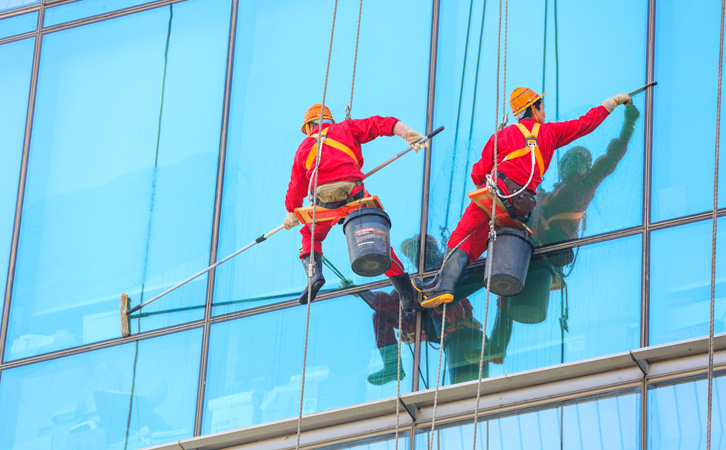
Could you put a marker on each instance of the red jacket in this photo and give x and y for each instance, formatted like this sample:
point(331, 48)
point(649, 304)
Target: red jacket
point(335, 165)
point(551, 136)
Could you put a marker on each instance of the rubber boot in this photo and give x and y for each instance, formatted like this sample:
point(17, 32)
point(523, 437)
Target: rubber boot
point(406, 295)
point(389, 354)
point(443, 290)
point(317, 281)
point(428, 285)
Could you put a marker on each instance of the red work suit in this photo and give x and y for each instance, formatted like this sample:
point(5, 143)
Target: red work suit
point(551, 136)
point(336, 165)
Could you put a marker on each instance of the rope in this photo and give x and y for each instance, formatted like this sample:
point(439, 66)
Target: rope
point(398, 370)
point(445, 227)
point(492, 233)
point(438, 377)
point(312, 229)
point(355, 61)
point(713, 235)
point(544, 47)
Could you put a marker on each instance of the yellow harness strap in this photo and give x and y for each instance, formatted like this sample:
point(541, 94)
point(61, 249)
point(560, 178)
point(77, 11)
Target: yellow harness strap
point(332, 143)
point(531, 138)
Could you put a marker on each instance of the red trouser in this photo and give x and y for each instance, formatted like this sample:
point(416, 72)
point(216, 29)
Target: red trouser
point(476, 222)
point(385, 319)
point(321, 232)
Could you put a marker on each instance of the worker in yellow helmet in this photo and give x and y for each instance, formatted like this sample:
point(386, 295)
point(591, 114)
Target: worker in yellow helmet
point(340, 181)
point(516, 169)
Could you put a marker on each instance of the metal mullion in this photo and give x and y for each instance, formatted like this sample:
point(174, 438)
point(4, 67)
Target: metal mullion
point(692, 218)
point(19, 11)
point(18, 37)
point(216, 221)
point(21, 187)
point(100, 345)
point(109, 15)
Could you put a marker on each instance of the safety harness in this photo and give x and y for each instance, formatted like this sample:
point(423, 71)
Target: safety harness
point(531, 138)
point(329, 142)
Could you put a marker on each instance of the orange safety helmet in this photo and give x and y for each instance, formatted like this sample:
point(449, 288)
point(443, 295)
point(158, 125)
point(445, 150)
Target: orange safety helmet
point(313, 113)
point(522, 98)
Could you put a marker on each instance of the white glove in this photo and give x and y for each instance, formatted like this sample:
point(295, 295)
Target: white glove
point(291, 221)
point(411, 136)
point(617, 99)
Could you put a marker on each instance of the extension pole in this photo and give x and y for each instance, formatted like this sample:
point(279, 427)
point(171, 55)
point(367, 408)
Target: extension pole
point(408, 149)
point(252, 244)
point(641, 89)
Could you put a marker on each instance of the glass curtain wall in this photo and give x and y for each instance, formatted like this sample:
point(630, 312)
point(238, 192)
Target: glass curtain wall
point(121, 176)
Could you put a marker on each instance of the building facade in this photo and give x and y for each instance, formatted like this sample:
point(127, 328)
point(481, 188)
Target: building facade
point(141, 142)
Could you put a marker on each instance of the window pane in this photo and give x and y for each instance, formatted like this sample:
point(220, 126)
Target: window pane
point(129, 396)
point(612, 421)
point(122, 175)
point(80, 9)
point(379, 443)
point(265, 130)
point(466, 97)
point(10, 4)
point(350, 360)
point(576, 305)
point(14, 90)
point(677, 414)
point(18, 25)
point(680, 282)
point(679, 47)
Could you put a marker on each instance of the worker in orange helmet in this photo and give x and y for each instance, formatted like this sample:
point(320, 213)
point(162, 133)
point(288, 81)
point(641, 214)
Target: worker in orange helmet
point(516, 169)
point(340, 181)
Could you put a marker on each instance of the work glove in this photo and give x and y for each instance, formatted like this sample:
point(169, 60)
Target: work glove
point(411, 136)
point(617, 99)
point(291, 221)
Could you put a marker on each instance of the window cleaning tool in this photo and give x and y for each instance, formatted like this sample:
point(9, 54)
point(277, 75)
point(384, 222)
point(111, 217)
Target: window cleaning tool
point(427, 138)
point(641, 89)
point(124, 303)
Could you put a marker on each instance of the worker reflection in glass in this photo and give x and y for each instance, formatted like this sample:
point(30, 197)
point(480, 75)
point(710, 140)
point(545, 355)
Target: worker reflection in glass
point(340, 181)
point(518, 172)
point(560, 212)
point(463, 333)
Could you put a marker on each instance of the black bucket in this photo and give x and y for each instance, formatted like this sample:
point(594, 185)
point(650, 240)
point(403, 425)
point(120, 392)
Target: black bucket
point(369, 241)
point(512, 251)
point(530, 306)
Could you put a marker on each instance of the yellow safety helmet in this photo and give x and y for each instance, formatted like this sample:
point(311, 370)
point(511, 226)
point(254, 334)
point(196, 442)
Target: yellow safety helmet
point(313, 114)
point(522, 98)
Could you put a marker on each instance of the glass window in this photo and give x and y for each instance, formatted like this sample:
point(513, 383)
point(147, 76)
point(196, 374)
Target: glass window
point(14, 90)
point(18, 24)
point(277, 76)
point(609, 192)
point(130, 396)
point(122, 174)
point(610, 421)
point(377, 443)
point(80, 9)
point(255, 363)
point(10, 4)
point(677, 413)
point(680, 282)
point(680, 47)
point(576, 304)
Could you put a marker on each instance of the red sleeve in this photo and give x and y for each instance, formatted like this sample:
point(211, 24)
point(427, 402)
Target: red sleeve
point(298, 187)
point(565, 132)
point(365, 130)
point(485, 164)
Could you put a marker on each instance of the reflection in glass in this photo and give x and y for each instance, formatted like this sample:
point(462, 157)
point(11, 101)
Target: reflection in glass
point(125, 397)
point(85, 8)
point(121, 176)
point(14, 90)
point(576, 304)
point(677, 414)
point(604, 422)
point(255, 363)
point(377, 443)
point(465, 98)
point(10, 4)
point(683, 156)
point(680, 282)
point(18, 25)
point(257, 167)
